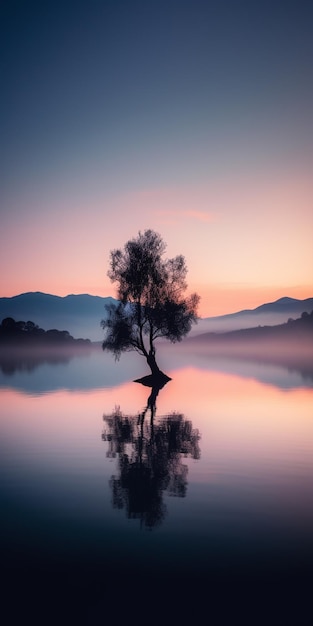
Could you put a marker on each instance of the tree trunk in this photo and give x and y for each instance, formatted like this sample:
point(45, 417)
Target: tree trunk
point(153, 364)
point(159, 379)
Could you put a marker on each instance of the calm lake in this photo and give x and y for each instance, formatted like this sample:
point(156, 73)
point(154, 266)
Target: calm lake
point(204, 512)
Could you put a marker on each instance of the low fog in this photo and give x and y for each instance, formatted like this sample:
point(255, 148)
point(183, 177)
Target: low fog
point(238, 321)
point(89, 328)
point(293, 352)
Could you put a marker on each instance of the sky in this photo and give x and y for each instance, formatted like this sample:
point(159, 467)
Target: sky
point(190, 117)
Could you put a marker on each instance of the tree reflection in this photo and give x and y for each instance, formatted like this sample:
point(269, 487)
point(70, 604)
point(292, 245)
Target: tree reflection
point(149, 453)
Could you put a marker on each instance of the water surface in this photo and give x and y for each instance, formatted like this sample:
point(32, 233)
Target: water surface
point(111, 515)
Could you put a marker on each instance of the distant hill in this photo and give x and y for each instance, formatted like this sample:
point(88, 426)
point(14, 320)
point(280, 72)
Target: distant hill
point(79, 314)
point(269, 314)
point(289, 345)
point(300, 329)
point(284, 305)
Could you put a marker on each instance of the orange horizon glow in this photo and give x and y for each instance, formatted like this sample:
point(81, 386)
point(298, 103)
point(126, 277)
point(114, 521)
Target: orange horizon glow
point(214, 300)
point(246, 240)
point(222, 301)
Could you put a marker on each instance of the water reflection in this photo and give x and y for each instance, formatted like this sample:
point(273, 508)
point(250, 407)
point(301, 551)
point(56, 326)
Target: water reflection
point(150, 454)
point(12, 361)
point(243, 530)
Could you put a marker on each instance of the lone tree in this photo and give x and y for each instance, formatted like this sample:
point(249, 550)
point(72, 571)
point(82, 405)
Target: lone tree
point(151, 299)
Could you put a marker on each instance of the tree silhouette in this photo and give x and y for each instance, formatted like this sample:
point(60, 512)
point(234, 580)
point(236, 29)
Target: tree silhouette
point(149, 460)
point(151, 299)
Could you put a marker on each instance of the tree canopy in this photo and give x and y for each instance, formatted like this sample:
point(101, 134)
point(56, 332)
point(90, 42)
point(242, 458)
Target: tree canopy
point(151, 294)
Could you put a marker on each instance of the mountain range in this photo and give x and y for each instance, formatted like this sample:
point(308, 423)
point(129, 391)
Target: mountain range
point(269, 314)
point(81, 314)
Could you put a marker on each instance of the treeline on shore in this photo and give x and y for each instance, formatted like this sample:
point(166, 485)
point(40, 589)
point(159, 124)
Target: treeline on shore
point(28, 333)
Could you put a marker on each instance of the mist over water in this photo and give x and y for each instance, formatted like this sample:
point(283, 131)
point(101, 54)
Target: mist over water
point(44, 369)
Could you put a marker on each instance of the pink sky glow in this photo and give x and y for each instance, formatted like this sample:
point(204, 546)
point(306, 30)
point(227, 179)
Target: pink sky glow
point(246, 241)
